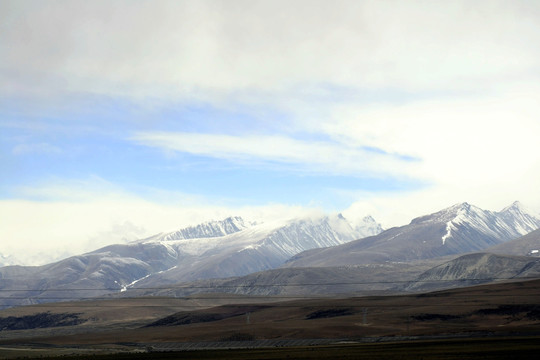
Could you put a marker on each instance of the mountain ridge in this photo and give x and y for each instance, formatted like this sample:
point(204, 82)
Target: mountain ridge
point(210, 229)
point(460, 228)
point(234, 248)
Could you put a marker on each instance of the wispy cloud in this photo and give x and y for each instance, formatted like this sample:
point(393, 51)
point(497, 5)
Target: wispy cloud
point(309, 156)
point(460, 141)
point(64, 218)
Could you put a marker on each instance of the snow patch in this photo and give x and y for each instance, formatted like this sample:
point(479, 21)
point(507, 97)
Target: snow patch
point(133, 283)
point(448, 234)
point(125, 287)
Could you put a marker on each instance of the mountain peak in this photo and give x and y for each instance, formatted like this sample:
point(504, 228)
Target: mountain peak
point(460, 207)
point(368, 219)
point(447, 214)
point(524, 220)
point(515, 206)
point(210, 229)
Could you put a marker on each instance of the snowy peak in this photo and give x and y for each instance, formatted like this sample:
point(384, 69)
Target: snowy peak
point(521, 219)
point(461, 228)
point(512, 222)
point(516, 206)
point(467, 215)
point(282, 238)
point(368, 227)
point(209, 229)
point(337, 224)
point(340, 225)
point(260, 247)
point(448, 214)
point(311, 233)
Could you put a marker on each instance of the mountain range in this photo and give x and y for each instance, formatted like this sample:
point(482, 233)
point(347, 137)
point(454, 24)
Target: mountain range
point(459, 229)
point(321, 255)
point(255, 248)
point(217, 249)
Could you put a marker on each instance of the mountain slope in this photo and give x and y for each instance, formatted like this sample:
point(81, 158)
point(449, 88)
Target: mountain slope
point(215, 249)
point(519, 218)
point(477, 268)
point(458, 229)
point(528, 245)
point(321, 281)
point(87, 275)
point(260, 247)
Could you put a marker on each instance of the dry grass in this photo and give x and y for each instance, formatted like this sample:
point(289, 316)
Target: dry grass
point(494, 309)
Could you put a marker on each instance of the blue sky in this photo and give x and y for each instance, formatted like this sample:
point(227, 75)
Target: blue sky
point(95, 138)
point(118, 120)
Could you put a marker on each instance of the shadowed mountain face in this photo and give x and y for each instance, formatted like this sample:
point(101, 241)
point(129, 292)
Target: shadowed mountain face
point(528, 245)
point(477, 268)
point(82, 276)
point(458, 229)
point(321, 281)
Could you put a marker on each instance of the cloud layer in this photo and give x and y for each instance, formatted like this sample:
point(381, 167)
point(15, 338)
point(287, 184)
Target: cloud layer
point(200, 48)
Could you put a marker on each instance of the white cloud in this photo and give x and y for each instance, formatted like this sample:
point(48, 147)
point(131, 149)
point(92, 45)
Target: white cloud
point(40, 231)
point(72, 217)
point(457, 138)
point(30, 227)
point(480, 150)
point(311, 156)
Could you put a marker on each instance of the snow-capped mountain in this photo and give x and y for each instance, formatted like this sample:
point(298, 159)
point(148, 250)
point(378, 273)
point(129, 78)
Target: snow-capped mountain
point(234, 247)
point(216, 249)
point(458, 229)
point(510, 223)
point(255, 248)
point(368, 227)
point(520, 219)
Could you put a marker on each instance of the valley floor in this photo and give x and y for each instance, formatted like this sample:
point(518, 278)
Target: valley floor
point(494, 321)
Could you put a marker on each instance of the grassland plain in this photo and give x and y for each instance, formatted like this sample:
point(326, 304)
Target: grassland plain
point(489, 321)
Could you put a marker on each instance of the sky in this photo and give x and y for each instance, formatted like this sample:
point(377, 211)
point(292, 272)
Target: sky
point(121, 119)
